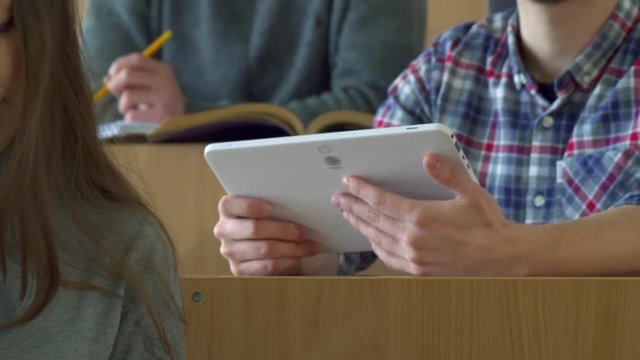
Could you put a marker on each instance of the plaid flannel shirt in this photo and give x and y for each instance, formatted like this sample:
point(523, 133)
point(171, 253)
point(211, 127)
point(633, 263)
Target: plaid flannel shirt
point(542, 162)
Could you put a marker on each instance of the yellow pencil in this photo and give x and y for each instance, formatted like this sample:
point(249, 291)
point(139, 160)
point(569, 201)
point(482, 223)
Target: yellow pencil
point(148, 52)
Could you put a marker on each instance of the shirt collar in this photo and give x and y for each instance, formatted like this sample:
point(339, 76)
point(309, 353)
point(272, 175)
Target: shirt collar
point(589, 66)
point(520, 76)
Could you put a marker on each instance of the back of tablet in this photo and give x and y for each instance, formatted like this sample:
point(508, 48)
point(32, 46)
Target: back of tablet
point(299, 174)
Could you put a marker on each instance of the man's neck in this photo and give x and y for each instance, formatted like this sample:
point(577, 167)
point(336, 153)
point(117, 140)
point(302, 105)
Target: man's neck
point(554, 33)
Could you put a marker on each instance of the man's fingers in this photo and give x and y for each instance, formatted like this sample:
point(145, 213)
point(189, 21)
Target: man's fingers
point(135, 60)
point(132, 99)
point(145, 113)
point(377, 236)
point(130, 78)
point(353, 205)
point(231, 206)
point(251, 250)
point(401, 243)
point(253, 229)
point(450, 176)
point(390, 259)
point(269, 267)
point(417, 212)
point(384, 202)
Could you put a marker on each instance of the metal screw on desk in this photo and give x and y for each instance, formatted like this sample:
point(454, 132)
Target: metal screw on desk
point(197, 297)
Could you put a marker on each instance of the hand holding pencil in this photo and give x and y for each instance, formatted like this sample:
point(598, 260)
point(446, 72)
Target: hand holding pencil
point(146, 89)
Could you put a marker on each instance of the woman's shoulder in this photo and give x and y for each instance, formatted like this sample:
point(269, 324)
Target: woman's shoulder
point(107, 232)
point(133, 225)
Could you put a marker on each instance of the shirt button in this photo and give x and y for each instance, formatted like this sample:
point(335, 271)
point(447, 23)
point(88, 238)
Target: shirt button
point(539, 201)
point(547, 122)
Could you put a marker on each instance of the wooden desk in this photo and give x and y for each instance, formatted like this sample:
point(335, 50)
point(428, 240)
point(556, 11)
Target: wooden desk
point(180, 187)
point(405, 318)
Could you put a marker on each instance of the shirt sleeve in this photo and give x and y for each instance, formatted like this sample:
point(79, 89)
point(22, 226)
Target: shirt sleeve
point(152, 259)
point(370, 43)
point(411, 96)
point(416, 95)
point(351, 263)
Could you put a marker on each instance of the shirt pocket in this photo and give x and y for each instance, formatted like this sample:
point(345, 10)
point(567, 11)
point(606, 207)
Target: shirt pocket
point(595, 181)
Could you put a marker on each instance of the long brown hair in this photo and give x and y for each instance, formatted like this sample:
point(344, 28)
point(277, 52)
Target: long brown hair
point(55, 159)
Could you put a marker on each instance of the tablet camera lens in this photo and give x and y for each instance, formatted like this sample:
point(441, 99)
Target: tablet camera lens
point(333, 162)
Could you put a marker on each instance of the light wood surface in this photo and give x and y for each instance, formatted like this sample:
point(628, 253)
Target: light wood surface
point(403, 318)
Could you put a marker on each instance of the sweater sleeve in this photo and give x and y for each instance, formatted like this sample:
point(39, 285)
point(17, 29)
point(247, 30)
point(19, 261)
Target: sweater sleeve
point(370, 43)
point(151, 257)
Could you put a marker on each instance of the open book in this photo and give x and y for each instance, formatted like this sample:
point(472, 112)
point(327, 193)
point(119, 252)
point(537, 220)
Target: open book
point(236, 122)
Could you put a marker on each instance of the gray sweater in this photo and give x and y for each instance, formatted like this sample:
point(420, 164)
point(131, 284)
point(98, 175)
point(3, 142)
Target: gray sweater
point(92, 325)
point(311, 56)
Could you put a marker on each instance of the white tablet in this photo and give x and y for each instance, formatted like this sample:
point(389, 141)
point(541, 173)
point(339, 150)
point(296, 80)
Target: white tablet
point(299, 174)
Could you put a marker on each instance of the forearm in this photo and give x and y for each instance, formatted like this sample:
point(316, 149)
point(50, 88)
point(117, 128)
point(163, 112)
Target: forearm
point(603, 244)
